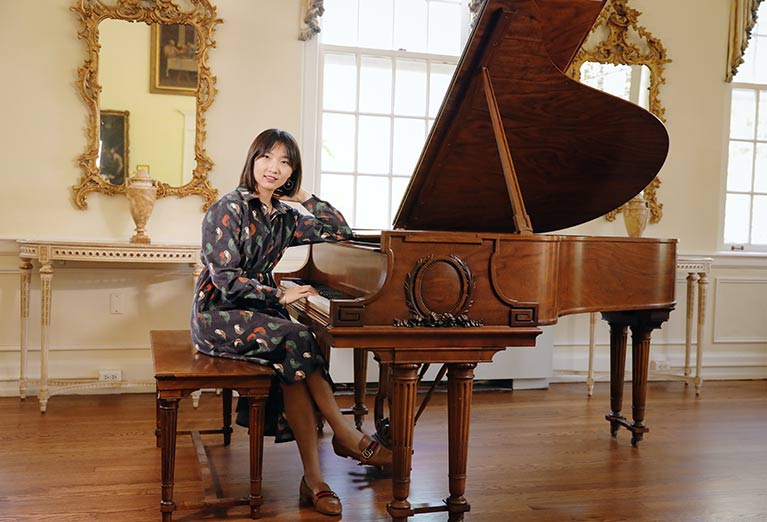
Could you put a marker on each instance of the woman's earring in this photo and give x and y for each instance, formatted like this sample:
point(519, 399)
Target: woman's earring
point(288, 185)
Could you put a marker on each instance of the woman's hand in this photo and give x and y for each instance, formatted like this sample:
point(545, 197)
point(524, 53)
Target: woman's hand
point(299, 197)
point(294, 293)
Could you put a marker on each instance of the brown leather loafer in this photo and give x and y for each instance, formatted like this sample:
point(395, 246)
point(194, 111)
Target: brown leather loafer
point(324, 501)
point(369, 452)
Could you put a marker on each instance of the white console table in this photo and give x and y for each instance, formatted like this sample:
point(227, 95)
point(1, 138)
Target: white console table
point(45, 253)
point(696, 270)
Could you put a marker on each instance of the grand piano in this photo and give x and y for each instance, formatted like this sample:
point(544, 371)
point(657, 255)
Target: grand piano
point(471, 266)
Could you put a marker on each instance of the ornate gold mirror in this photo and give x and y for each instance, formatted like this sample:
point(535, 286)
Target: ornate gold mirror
point(621, 57)
point(147, 87)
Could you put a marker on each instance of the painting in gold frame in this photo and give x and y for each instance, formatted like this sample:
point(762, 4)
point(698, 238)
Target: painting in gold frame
point(114, 146)
point(173, 62)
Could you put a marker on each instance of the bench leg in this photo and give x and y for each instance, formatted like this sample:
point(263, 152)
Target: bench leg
point(226, 401)
point(168, 420)
point(257, 410)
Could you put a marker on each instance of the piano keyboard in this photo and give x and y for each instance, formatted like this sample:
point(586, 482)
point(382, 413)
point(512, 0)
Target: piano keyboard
point(320, 302)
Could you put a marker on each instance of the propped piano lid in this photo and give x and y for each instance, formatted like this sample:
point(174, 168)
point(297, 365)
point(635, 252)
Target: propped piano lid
point(578, 152)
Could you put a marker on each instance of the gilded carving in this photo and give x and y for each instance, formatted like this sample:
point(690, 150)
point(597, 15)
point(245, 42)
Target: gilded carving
point(200, 14)
point(628, 43)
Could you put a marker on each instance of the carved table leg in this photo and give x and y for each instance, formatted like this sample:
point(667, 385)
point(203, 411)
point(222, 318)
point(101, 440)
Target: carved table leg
point(168, 409)
point(256, 436)
point(226, 406)
point(360, 384)
point(618, 335)
point(46, 275)
point(404, 383)
point(25, 280)
point(688, 323)
point(460, 378)
point(702, 294)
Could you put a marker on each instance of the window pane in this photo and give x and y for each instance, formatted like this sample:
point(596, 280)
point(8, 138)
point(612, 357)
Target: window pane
point(410, 88)
point(760, 59)
point(372, 202)
point(339, 23)
point(761, 128)
point(760, 174)
point(375, 84)
point(398, 186)
point(373, 146)
point(739, 166)
point(439, 81)
point(742, 114)
point(339, 190)
point(339, 86)
point(410, 25)
point(444, 28)
point(376, 23)
point(409, 137)
point(736, 218)
point(759, 222)
point(337, 142)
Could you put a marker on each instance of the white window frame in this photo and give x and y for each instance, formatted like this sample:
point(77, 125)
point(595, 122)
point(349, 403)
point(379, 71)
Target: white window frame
point(756, 87)
point(311, 110)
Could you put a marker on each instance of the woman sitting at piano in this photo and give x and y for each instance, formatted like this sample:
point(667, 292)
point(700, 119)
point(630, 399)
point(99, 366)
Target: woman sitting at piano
point(239, 312)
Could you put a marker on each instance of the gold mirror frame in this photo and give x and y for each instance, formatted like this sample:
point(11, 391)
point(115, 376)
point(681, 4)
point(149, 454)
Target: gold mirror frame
point(631, 44)
point(198, 13)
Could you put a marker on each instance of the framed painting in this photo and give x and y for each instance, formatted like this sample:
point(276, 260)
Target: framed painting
point(113, 148)
point(173, 59)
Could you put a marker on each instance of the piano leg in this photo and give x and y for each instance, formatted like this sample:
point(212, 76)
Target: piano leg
point(460, 378)
point(360, 382)
point(642, 323)
point(404, 383)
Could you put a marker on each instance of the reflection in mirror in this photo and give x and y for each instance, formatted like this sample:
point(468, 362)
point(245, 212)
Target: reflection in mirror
point(155, 74)
point(161, 125)
point(630, 82)
point(622, 58)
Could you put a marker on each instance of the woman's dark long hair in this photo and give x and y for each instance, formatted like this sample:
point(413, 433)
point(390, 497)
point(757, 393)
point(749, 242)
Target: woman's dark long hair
point(265, 142)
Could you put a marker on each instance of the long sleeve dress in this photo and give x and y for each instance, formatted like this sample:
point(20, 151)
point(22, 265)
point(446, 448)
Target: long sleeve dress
point(236, 311)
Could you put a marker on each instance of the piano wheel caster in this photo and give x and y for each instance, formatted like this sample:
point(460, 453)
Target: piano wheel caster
point(614, 429)
point(636, 438)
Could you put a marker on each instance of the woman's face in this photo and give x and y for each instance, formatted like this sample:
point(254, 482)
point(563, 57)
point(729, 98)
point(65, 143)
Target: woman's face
point(273, 169)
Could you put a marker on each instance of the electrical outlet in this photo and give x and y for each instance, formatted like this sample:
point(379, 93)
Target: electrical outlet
point(110, 375)
point(660, 364)
point(116, 304)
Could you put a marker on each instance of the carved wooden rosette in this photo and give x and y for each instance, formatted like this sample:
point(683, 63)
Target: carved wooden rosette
point(201, 15)
point(438, 293)
point(627, 43)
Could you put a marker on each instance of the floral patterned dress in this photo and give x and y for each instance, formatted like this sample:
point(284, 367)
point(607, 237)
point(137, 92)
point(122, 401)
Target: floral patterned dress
point(236, 311)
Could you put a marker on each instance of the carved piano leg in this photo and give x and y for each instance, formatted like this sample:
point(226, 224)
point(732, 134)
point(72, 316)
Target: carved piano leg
point(383, 404)
point(168, 419)
point(360, 383)
point(642, 323)
point(618, 335)
point(404, 383)
point(460, 378)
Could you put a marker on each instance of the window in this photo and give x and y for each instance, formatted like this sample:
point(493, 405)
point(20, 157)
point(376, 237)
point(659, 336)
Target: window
point(384, 68)
point(745, 214)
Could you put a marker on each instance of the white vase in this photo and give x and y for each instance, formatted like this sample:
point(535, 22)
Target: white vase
point(141, 192)
point(636, 212)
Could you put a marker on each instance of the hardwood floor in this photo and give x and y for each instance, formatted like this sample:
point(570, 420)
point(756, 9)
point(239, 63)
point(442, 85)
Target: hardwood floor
point(535, 456)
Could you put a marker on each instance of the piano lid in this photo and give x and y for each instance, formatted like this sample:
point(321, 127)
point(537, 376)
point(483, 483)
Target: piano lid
point(577, 152)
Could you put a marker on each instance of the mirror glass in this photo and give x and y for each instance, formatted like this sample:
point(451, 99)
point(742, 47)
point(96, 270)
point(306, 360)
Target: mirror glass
point(148, 75)
point(630, 82)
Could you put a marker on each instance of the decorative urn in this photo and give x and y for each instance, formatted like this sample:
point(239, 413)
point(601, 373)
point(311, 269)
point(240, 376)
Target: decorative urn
point(636, 212)
point(141, 192)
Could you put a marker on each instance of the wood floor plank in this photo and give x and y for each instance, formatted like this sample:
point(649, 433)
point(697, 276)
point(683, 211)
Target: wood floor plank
point(535, 456)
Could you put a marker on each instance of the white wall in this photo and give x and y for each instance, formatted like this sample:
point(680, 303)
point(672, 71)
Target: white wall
point(258, 63)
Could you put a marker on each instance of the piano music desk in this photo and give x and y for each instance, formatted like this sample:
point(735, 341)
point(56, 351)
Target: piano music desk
point(180, 370)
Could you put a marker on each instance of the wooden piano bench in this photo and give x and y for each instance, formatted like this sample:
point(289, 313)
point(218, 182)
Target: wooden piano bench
point(180, 370)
